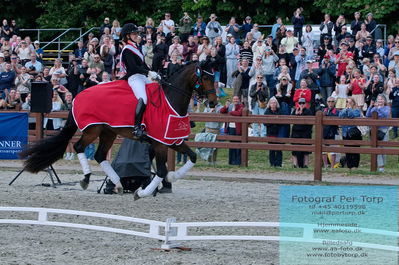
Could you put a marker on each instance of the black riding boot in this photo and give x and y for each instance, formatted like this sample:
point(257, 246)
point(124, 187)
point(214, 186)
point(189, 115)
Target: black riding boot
point(137, 129)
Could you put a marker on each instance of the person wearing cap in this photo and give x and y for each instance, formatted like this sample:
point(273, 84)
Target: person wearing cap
point(106, 24)
point(326, 28)
point(214, 28)
point(299, 158)
point(342, 58)
point(342, 34)
point(289, 41)
point(394, 64)
point(39, 51)
point(233, 28)
point(355, 24)
point(246, 26)
point(199, 27)
point(298, 20)
point(326, 72)
point(369, 48)
point(258, 48)
point(185, 25)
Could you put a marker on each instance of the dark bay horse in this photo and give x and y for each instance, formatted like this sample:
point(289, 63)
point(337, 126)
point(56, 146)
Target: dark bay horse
point(178, 91)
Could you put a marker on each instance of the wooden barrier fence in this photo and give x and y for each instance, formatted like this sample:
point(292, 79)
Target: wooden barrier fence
point(317, 145)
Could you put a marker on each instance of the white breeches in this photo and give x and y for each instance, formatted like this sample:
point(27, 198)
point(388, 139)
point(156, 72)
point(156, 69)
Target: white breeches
point(137, 82)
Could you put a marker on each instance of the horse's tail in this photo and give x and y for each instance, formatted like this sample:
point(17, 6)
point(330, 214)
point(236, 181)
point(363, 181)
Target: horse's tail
point(48, 150)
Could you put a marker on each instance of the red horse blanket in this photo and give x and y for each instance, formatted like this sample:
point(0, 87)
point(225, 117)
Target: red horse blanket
point(114, 104)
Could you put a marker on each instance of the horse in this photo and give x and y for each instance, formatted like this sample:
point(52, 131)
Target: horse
point(178, 91)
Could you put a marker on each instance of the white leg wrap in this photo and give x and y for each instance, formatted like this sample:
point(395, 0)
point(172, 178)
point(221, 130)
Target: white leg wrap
point(150, 188)
point(110, 172)
point(181, 172)
point(84, 163)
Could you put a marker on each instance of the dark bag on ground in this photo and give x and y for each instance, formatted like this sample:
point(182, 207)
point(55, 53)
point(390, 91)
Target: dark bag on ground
point(354, 132)
point(380, 135)
point(133, 165)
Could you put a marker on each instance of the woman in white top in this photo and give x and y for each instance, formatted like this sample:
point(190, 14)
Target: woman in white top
point(341, 90)
point(23, 83)
point(57, 105)
point(204, 49)
point(58, 71)
point(307, 41)
point(23, 52)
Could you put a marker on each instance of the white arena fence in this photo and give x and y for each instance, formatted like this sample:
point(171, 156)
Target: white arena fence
point(172, 232)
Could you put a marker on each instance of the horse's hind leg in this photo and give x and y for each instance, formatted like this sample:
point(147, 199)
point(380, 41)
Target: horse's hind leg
point(89, 135)
point(181, 172)
point(107, 138)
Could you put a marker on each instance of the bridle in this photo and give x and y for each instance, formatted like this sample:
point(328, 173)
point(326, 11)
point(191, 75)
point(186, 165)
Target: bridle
point(199, 72)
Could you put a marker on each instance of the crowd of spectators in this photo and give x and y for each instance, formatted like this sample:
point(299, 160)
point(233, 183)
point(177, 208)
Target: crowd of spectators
point(344, 73)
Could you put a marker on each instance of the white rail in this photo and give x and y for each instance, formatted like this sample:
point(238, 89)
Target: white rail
point(175, 232)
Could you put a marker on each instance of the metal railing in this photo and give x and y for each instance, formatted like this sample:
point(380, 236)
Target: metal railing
point(40, 31)
point(80, 37)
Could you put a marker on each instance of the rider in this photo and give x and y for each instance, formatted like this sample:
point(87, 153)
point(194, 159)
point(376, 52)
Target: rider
point(136, 70)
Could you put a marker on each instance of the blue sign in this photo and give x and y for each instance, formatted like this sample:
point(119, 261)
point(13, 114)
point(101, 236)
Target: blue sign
point(13, 134)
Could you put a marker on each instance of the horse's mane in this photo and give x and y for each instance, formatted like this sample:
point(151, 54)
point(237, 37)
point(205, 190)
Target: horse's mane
point(184, 67)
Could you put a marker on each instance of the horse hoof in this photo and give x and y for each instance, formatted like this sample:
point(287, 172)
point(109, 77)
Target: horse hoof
point(119, 190)
point(136, 195)
point(84, 184)
point(171, 177)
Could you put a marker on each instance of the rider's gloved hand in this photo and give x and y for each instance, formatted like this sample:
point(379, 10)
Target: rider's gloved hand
point(154, 75)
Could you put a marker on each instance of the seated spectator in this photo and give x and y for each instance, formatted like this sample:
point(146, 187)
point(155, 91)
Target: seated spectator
point(6, 80)
point(258, 48)
point(58, 71)
point(39, 51)
point(189, 48)
point(246, 53)
point(289, 41)
point(148, 52)
point(23, 52)
point(326, 72)
point(167, 23)
point(299, 158)
point(250, 39)
point(233, 128)
point(259, 95)
point(60, 89)
point(362, 33)
point(256, 69)
point(330, 131)
point(46, 74)
point(2, 62)
point(13, 100)
point(33, 67)
point(351, 132)
point(107, 42)
point(90, 53)
point(394, 64)
point(97, 63)
point(384, 111)
point(107, 59)
point(80, 51)
point(106, 24)
point(214, 28)
point(174, 65)
point(199, 27)
point(273, 108)
point(23, 83)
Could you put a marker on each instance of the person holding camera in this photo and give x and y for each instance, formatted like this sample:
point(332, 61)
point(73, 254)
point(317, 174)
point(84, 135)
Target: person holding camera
point(23, 83)
point(185, 27)
point(33, 67)
point(214, 28)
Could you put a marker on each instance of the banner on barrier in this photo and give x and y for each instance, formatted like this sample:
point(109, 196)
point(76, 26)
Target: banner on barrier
point(13, 134)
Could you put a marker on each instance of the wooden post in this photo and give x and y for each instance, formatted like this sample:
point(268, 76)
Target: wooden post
point(244, 139)
point(171, 160)
point(373, 143)
point(318, 147)
point(39, 126)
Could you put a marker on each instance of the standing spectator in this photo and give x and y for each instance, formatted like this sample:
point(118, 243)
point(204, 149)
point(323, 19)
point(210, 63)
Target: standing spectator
point(106, 24)
point(330, 131)
point(73, 77)
point(275, 156)
point(324, 47)
point(160, 53)
point(204, 49)
point(379, 48)
point(281, 34)
point(59, 70)
point(341, 91)
point(289, 41)
point(246, 52)
point(257, 68)
point(233, 29)
point(232, 51)
point(258, 48)
point(371, 24)
point(276, 26)
point(307, 41)
point(107, 59)
point(176, 47)
point(259, 96)
point(394, 64)
point(217, 62)
point(326, 28)
point(80, 51)
point(312, 81)
point(185, 27)
point(369, 48)
point(269, 62)
point(383, 110)
point(213, 127)
point(148, 52)
point(33, 67)
point(15, 66)
point(327, 73)
point(355, 25)
point(356, 87)
point(174, 65)
point(199, 27)
point(341, 35)
point(243, 92)
point(23, 83)
point(5, 30)
point(90, 53)
point(303, 92)
point(116, 33)
point(6, 80)
point(284, 92)
point(255, 32)
point(343, 58)
point(167, 23)
point(2, 62)
point(351, 132)
point(298, 20)
point(221, 51)
point(214, 28)
point(233, 128)
point(246, 26)
point(300, 60)
point(14, 28)
point(341, 22)
point(373, 89)
point(362, 33)
point(394, 96)
point(189, 48)
point(299, 158)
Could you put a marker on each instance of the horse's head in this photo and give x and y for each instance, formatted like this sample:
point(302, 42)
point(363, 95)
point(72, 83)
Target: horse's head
point(205, 82)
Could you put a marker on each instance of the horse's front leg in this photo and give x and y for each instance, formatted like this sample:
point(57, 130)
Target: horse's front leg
point(162, 171)
point(181, 172)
